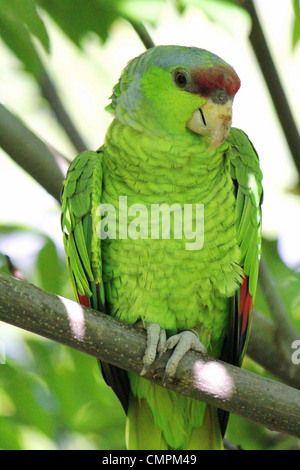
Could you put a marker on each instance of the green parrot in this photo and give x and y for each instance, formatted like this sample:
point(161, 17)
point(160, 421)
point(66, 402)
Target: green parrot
point(170, 145)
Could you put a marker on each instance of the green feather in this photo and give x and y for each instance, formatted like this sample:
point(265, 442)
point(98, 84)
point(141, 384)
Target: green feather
point(81, 244)
point(250, 191)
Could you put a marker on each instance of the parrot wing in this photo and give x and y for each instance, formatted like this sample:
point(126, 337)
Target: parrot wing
point(247, 178)
point(81, 197)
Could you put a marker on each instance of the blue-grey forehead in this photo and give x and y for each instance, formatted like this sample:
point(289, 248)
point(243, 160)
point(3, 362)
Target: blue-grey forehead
point(169, 56)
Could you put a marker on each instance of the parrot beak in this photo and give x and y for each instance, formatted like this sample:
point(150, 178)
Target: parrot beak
point(214, 119)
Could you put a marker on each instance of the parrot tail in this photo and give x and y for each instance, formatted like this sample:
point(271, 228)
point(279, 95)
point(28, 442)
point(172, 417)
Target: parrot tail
point(143, 434)
point(208, 436)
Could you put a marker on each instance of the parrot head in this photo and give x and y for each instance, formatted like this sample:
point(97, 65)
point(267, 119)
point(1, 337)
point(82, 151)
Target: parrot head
point(176, 90)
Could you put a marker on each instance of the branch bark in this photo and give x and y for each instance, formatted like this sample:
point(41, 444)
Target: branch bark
point(42, 162)
point(277, 309)
point(253, 397)
point(267, 349)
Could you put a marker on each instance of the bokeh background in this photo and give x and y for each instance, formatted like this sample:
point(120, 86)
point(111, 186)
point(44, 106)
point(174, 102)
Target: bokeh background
point(52, 397)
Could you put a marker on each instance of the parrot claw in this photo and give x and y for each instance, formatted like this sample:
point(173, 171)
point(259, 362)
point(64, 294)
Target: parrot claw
point(156, 341)
point(182, 342)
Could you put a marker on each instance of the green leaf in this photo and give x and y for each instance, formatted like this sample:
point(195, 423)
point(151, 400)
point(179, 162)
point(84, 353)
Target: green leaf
point(77, 18)
point(296, 27)
point(24, 11)
point(179, 5)
point(17, 37)
point(142, 10)
point(226, 13)
point(49, 268)
point(4, 264)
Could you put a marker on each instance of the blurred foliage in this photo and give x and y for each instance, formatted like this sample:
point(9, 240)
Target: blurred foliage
point(77, 18)
point(20, 19)
point(53, 397)
point(248, 435)
point(287, 282)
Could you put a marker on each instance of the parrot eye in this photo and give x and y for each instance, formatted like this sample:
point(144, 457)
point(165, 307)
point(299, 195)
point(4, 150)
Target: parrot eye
point(180, 79)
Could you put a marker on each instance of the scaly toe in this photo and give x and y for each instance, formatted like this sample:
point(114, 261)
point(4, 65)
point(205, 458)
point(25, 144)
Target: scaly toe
point(156, 339)
point(183, 341)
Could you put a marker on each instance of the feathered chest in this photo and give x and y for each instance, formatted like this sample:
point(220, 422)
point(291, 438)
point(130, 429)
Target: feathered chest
point(171, 229)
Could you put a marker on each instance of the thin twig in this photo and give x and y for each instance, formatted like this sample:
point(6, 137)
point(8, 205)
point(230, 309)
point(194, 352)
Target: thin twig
point(50, 94)
point(267, 66)
point(142, 32)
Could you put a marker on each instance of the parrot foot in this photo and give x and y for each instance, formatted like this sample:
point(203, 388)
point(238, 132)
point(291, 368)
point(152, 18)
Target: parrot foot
point(157, 342)
point(182, 342)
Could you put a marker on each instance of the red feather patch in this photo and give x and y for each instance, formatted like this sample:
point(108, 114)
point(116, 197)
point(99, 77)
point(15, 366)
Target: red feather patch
point(222, 77)
point(84, 300)
point(246, 304)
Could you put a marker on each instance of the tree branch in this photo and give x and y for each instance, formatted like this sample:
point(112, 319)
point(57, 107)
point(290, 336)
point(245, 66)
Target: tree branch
point(49, 92)
point(238, 391)
point(267, 66)
point(268, 350)
point(284, 327)
point(142, 32)
point(42, 162)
